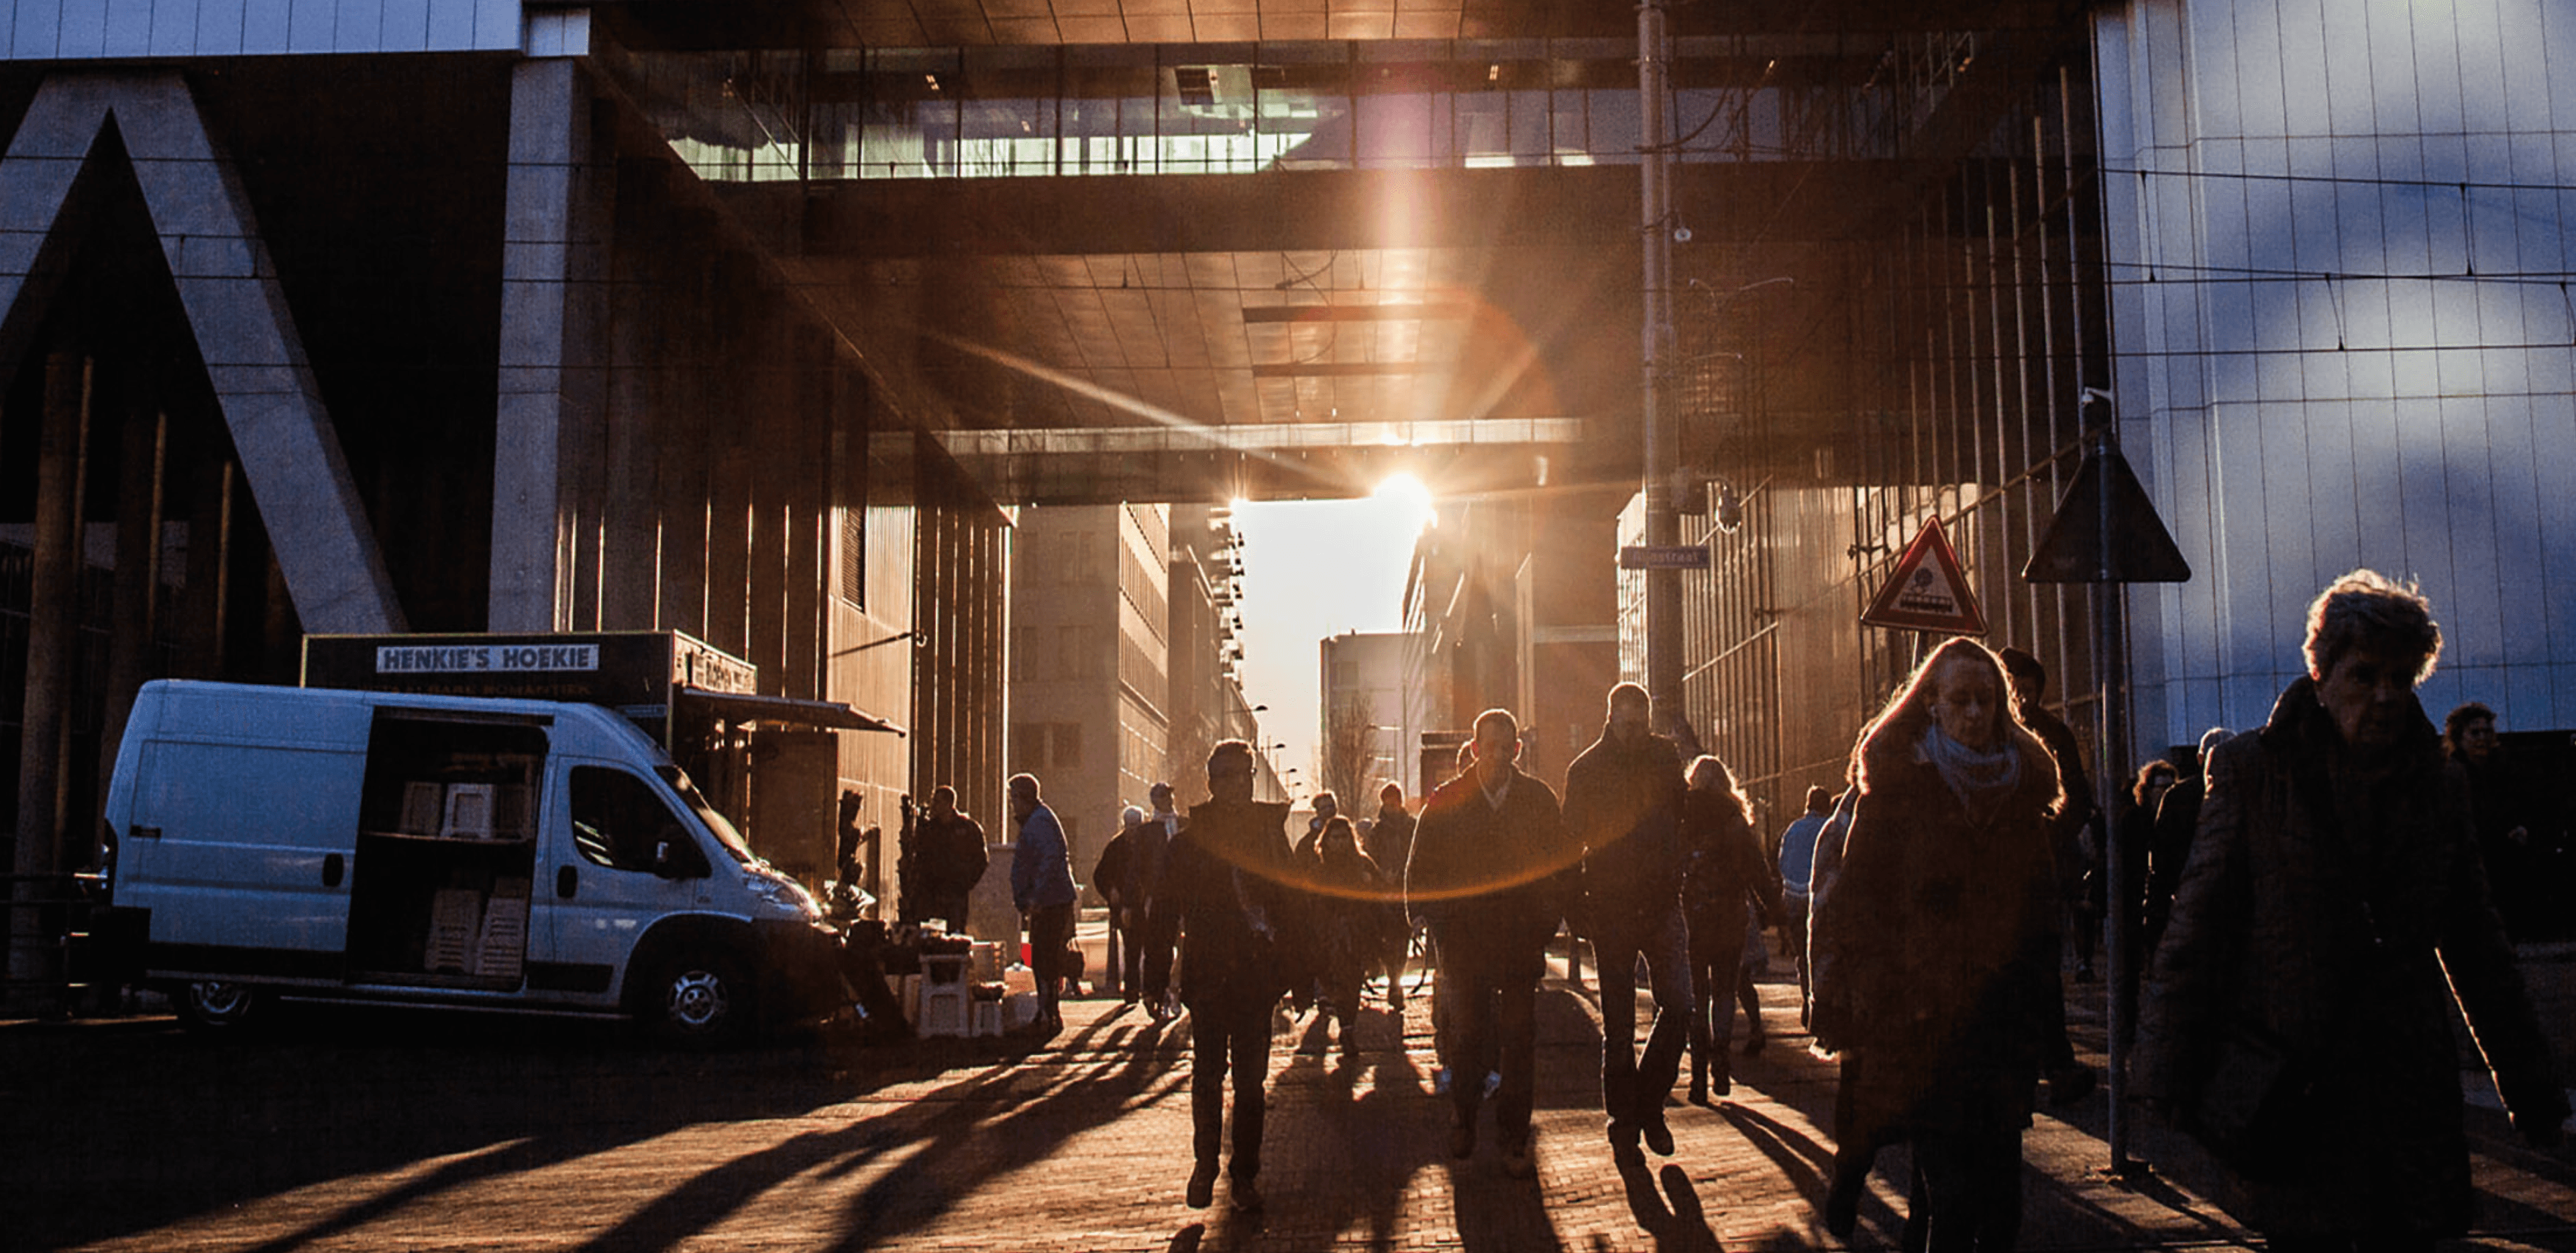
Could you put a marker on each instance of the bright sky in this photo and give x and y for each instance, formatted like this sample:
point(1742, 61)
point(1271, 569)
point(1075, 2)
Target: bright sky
point(1313, 569)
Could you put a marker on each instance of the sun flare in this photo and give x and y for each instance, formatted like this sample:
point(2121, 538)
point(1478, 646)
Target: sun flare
point(1411, 496)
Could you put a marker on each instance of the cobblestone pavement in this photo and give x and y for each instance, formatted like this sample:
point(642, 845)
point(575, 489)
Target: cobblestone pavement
point(371, 1139)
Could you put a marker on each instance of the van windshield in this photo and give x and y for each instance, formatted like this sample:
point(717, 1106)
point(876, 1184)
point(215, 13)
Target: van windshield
point(725, 834)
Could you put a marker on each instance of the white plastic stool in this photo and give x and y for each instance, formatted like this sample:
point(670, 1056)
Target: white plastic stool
point(946, 1007)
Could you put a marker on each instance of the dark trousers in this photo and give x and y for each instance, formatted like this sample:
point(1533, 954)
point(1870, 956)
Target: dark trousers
point(1634, 1088)
point(922, 907)
point(1224, 1037)
point(1858, 1140)
point(1971, 1190)
point(1716, 972)
point(1496, 1015)
point(1793, 937)
point(1145, 950)
point(1050, 932)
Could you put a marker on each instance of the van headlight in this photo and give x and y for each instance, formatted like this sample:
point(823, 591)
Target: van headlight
point(786, 895)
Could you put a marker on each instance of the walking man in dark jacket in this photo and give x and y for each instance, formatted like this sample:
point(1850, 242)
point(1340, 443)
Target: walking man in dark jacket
point(1623, 804)
point(1221, 884)
point(1491, 873)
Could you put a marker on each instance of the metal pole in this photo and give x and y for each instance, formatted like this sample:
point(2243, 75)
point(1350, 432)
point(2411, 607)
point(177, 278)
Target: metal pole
point(2114, 852)
point(1662, 448)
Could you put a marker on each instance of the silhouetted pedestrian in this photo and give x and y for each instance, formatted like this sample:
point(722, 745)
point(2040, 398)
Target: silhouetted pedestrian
point(1797, 862)
point(1350, 913)
point(2135, 841)
point(2516, 863)
point(1389, 842)
point(949, 858)
point(1221, 887)
point(1623, 806)
point(1729, 878)
point(1129, 870)
point(2177, 818)
point(1492, 872)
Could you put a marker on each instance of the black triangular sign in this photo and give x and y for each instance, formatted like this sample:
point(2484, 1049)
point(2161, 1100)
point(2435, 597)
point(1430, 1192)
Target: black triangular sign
point(2074, 549)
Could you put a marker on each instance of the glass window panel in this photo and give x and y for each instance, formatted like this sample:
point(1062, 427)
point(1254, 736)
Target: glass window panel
point(1490, 51)
point(909, 139)
point(1484, 128)
point(1400, 130)
point(1700, 111)
point(1762, 125)
point(1616, 128)
point(1623, 51)
point(1306, 130)
point(1005, 119)
point(1529, 127)
point(1566, 136)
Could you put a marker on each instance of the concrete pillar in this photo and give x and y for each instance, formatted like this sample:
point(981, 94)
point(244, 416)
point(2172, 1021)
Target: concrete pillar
point(137, 611)
point(204, 599)
point(52, 641)
point(684, 422)
point(775, 428)
point(807, 469)
point(729, 552)
point(741, 337)
point(549, 394)
point(629, 552)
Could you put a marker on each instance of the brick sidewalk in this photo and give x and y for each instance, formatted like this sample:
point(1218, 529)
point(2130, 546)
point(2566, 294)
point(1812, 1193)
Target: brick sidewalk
point(1083, 1144)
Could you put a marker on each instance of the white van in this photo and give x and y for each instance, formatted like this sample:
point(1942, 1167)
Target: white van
point(462, 852)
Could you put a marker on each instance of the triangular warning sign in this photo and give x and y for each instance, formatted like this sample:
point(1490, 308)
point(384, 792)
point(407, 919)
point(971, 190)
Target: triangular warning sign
point(1927, 592)
point(2106, 531)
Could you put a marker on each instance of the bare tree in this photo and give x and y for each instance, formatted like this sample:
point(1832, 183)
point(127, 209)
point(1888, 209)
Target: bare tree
point(1350, 750)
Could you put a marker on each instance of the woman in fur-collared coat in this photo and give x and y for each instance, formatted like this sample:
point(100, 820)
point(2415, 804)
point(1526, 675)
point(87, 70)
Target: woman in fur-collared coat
point(2333, 903)
point(1936, 948)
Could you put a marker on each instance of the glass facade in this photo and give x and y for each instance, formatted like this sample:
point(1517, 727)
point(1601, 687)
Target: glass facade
point(1004, 112)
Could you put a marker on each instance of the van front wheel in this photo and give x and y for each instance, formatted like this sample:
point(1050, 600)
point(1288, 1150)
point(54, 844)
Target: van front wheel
point(700, 1000)
point(216, 1005)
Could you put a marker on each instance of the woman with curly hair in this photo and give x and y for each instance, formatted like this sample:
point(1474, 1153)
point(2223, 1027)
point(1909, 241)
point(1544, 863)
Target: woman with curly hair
point(2333, 911)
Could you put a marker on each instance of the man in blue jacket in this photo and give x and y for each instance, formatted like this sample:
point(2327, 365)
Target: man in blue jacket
point(1042, 886)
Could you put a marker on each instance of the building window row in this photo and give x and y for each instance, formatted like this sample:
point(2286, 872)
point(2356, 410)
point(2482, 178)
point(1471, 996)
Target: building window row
point(1241, 108)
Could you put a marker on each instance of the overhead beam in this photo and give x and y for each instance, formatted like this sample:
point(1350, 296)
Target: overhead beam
point(1444, 312)
point(1294, 210)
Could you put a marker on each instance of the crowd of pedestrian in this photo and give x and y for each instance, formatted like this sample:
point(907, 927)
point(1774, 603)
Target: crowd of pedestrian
point(2309, 898)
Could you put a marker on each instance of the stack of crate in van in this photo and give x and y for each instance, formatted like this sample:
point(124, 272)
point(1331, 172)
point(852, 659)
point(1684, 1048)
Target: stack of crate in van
point(502, 944)
point(455, 917)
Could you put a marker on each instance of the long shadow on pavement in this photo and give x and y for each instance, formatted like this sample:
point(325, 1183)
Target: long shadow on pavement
point(123, 1127)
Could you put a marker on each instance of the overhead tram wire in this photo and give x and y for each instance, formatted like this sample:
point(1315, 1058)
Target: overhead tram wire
point(2444, 184)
